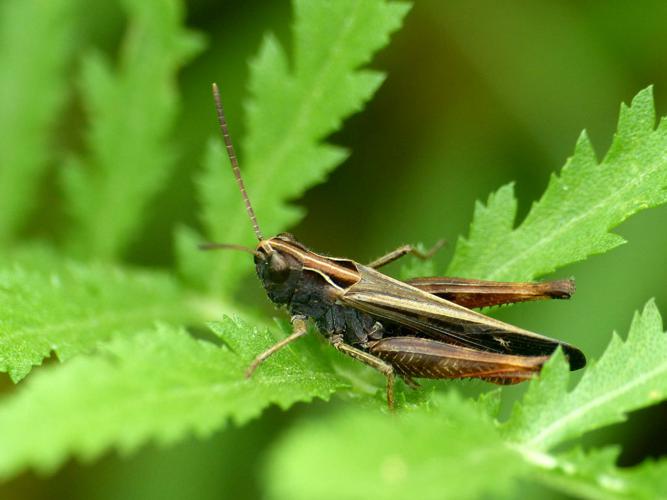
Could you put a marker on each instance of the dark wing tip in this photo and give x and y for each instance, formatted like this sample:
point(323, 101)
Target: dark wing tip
point(574, 356)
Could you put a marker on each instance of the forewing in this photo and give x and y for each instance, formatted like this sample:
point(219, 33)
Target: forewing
point(408, 308)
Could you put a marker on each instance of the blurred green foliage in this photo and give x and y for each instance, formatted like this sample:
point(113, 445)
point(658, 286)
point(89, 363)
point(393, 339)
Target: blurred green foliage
point(27, 116)
point(132, 112)
point(478, 94)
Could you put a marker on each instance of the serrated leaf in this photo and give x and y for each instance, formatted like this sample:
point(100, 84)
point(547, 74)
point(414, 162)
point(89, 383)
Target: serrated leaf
point(448, 448)
point(33, 80)
point(132, 112)
point(158, 385)
point(574, 217)
point(629, 375)
point(413, 454)
point(294, 106)
point(69, 309)
point(595, 475)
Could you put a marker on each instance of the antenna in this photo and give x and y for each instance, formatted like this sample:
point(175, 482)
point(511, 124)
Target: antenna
point(235, 163)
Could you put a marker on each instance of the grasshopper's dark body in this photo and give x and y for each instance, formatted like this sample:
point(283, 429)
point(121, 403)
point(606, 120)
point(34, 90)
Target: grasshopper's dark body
point(311, 286)
point(421, 328)
point(335, 293)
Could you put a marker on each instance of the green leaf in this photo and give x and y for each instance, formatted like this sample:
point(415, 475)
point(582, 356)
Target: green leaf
point(430, 451)
point(573, 219)
point(426, 450)
point(595, 475)
point(71, 308)
point(294, 106)
point(132, 113)
point(158, 385)
point(363, 453)
point(629, 375)
point(37, 41)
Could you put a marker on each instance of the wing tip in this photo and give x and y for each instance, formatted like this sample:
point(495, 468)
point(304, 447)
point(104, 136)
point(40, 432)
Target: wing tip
point(575, 357)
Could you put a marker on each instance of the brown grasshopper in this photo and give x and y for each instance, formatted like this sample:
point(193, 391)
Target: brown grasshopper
point(422, 327)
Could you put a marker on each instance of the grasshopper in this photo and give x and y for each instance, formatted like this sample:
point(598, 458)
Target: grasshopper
point(420, 328)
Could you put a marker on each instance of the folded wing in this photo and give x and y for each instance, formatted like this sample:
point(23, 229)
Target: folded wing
point(404, 307)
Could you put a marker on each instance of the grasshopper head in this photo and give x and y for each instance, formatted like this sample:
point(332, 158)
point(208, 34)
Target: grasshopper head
point(278, 269)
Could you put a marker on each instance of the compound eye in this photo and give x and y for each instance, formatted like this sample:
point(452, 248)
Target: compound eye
point(260, 256)
point(278, 268)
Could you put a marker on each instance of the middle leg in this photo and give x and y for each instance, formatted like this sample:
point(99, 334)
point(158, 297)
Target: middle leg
point(404, 250)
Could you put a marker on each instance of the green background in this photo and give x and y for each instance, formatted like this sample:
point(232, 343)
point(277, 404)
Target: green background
point(478, 94)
